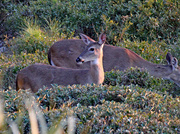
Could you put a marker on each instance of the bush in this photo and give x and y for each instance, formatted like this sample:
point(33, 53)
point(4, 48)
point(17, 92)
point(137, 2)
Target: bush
point(141, 78)
point(129, 102)
point(142, 20)
point(100, 109)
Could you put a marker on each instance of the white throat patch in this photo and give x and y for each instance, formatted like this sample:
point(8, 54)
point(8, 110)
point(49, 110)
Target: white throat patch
point(95, 62)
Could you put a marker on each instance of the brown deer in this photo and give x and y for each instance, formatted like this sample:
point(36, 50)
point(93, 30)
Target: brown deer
point(63, 53)
point(38, 75)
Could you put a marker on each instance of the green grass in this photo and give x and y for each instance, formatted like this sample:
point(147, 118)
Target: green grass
point(129, 102)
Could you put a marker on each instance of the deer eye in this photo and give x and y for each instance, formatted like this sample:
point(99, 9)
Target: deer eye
point(91, 49)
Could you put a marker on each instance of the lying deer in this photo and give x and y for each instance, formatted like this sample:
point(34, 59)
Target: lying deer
point(38, 75)
point(63, 54)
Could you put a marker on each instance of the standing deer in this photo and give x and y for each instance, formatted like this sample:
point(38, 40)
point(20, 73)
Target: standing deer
point(63, 54)
point(38, 75)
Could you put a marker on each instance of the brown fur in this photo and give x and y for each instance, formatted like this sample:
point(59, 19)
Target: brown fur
point(38, 75)
point(64, 52)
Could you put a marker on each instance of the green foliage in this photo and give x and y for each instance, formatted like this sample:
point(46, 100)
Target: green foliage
point(142, 20)
point(34, 38)
point(141, 78)
point(130, 101)
point(103, 109)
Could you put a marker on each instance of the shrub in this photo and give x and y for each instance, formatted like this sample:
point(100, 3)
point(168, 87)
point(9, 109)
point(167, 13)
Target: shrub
point(142, 20)
point(129, 102)
point(99, 109)
point(141, 78)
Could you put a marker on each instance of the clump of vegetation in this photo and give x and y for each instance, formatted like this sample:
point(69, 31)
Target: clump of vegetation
point(142, 20)
point(129, 101)
point(141, 78)
point(100, 109)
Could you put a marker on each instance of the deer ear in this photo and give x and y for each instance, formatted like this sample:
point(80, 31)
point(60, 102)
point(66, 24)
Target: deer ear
point(102, 38)
point(87, 40)
point(169, 58)
point(175, 62)
point(172, 61)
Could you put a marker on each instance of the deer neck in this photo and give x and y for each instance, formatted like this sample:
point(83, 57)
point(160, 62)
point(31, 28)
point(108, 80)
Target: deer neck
point(158, 70)
point(97, 71)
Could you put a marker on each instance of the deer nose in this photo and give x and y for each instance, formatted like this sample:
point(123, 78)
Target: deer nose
point(78, 60)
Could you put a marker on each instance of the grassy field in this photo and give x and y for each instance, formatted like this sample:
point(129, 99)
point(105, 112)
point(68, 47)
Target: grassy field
point(128, 102)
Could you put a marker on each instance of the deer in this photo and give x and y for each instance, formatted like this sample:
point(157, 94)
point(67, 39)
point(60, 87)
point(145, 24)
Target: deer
point(62, 53)
point(38, 75)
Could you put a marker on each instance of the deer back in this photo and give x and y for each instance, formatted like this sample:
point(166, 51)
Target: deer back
point(62, 53)
point(38, 75)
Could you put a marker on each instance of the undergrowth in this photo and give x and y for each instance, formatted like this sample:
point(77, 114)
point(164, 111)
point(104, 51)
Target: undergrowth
point(97, 109)
point(129, 101)
point(142, 20)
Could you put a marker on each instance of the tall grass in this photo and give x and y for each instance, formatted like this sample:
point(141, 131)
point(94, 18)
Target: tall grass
point(37, 121)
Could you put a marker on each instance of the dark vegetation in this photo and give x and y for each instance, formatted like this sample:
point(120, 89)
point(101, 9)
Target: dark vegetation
point(128, 102)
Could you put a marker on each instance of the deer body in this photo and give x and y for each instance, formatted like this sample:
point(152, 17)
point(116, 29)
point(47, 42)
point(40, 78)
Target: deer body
point(38, 75)
point(63, 54)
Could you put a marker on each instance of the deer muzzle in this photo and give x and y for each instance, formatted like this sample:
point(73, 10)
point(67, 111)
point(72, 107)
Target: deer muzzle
point(79, 60)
